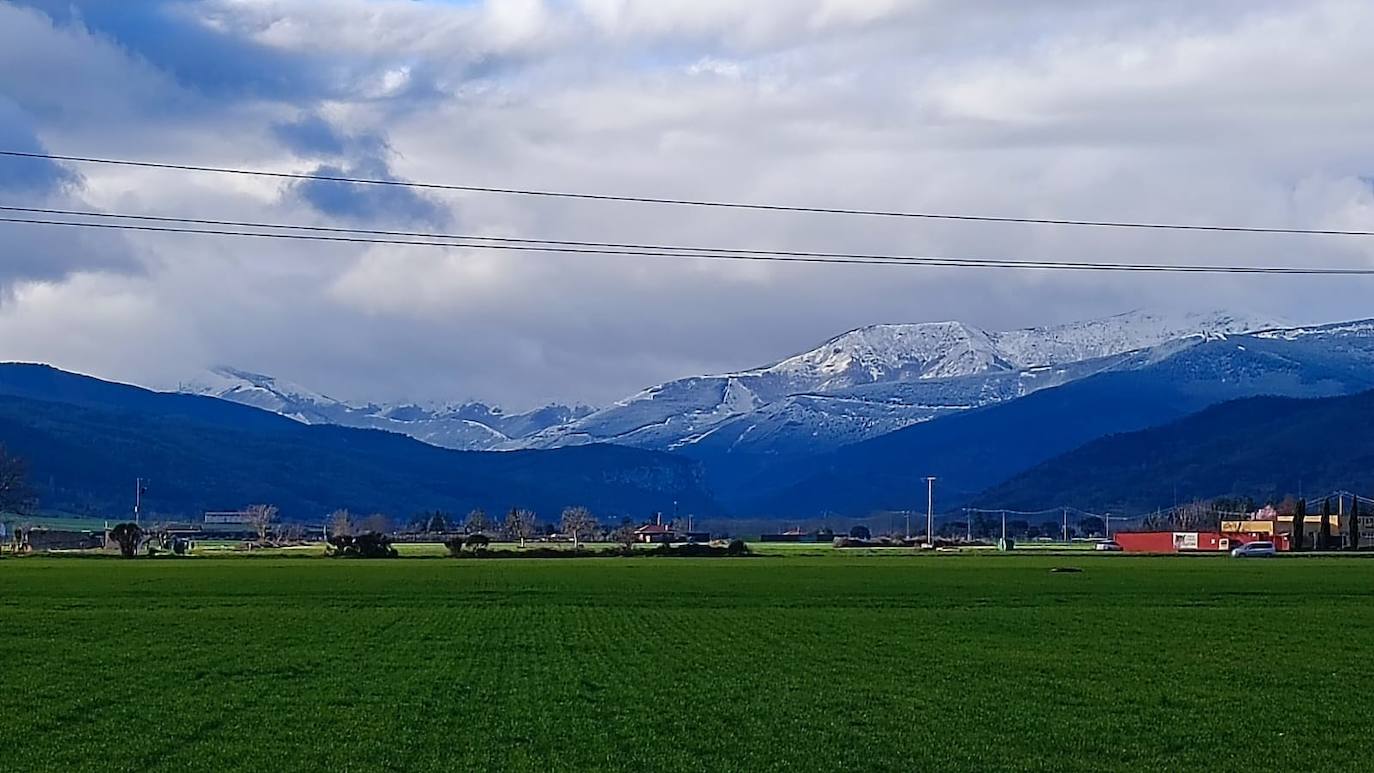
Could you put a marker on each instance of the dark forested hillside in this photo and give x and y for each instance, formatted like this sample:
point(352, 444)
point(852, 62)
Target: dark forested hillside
point(979, 449)
point(1262, 447)
point(86, 441)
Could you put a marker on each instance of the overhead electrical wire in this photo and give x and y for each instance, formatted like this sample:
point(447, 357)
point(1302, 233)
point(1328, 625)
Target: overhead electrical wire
point(293, 232)
point(737, 205)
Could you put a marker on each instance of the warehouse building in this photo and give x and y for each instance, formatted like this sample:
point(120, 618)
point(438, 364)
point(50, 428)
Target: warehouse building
point(1192, 541)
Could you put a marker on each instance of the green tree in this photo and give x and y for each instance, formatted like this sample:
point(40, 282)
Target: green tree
point(1324, 537)
point(1352, 529)
point(128, 536)
point(14, 490)
point(1298, 539)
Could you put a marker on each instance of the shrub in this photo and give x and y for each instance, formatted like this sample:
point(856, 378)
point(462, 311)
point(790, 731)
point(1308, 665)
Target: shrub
point(455, 545)
point(369, 545)
point(128, 536)
point(697, 550)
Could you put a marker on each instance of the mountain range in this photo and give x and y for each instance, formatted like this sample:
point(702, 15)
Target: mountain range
point(858, 385)
point(470, 426)
point(86, 440)
point(853, 425)
point(874, 380)
point(977, 450)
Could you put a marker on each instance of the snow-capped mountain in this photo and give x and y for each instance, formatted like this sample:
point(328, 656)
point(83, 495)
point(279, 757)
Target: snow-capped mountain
point(465, 426)
point(877, 379)
point(973, 452)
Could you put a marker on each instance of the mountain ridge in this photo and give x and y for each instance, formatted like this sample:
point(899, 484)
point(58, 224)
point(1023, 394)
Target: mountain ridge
point(977, 450)
point(85, 441)
point(468, 426)
point(680, 412)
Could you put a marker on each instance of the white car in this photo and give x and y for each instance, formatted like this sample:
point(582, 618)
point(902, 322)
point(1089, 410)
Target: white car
point(1108, 546)
point(1254, 550)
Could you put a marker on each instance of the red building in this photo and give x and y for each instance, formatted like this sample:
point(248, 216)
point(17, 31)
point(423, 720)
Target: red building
point(1191, 541)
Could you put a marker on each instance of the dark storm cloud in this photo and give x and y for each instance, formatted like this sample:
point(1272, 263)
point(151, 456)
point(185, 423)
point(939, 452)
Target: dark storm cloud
point(27, 175)
point(362, 156)
point(368, 203)
point(168, 35)
point(311, 135)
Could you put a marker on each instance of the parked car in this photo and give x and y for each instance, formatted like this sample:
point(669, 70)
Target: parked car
point(1108, 546)
point(1254, 550)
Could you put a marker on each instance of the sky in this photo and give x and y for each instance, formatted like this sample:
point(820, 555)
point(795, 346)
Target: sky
point(1247, 113)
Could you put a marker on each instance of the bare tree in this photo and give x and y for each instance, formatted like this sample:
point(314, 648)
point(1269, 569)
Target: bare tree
point(438, 522)
point(291, 532)
point(340, 523)
point(477, 522)
point(377, 523)
point(625, 535)
point(15, 496)
point(1197, 516)
point(260, 517)
point(520, 524)
point(579, 522)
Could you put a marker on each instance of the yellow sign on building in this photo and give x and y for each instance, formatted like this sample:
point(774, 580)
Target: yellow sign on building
point(1248, 527)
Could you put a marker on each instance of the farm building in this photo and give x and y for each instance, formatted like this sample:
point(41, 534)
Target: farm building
point(41, 539)
point(1192, 541)
point(655, 532)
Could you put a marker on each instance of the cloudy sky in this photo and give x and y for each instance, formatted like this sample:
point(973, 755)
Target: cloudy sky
point(1242, 113)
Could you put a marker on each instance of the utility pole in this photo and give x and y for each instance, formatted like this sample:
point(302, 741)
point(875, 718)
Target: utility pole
point(930, 510)
point(1107, 524)
point(1066, 524)
point(1004, 527)
point(138, 497)
point(968, 526)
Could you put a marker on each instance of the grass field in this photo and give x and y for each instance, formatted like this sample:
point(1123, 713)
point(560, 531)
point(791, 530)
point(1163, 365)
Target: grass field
point(896, 663)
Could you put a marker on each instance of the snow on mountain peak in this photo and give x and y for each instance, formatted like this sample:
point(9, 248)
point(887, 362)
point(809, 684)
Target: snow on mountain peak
point(932, 350)
point(466, 426)
point(262, 391)
point(885, 357)
point(1134, 330)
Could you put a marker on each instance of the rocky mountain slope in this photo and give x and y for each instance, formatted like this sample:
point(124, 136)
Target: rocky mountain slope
point(874, 380)
point(463, 426)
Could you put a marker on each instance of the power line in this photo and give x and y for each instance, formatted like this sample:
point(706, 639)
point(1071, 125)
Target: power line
point(653, 249)
point(338, 235)
point(681, 201)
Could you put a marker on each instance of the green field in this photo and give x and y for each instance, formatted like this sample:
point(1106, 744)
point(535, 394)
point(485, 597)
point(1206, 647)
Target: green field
point(979, 662)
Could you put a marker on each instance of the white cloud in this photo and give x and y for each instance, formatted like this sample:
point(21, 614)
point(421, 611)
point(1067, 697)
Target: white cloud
point(1223, 112)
